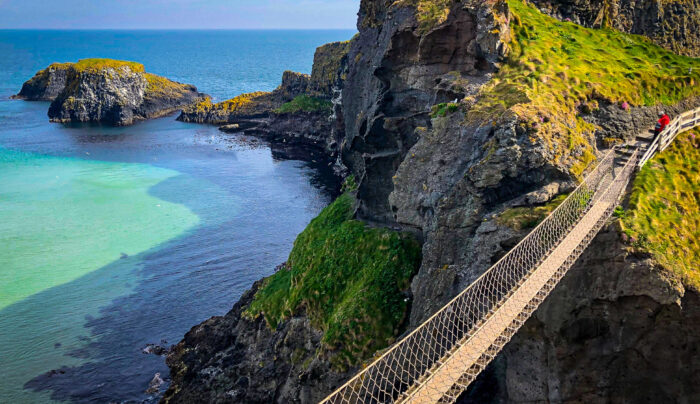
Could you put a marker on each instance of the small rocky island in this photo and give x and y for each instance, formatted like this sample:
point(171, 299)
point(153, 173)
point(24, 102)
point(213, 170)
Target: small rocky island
point(107, 91)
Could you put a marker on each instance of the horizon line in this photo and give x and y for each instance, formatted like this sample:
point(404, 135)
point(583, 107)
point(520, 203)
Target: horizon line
point(178, 29)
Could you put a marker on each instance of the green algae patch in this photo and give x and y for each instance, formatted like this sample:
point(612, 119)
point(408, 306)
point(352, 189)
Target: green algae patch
point(63, 218)
point(663, 217)
point(304, 103)
point(350, 279)
point(558, 70)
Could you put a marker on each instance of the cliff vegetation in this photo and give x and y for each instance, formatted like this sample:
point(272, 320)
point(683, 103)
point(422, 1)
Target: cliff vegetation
point(304, 103)
point(95, 65)
point(557, 71)
point(664, 211)
point(350, 279)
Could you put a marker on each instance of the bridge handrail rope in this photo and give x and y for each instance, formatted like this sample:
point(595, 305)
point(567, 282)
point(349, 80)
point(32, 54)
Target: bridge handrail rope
point(680, 124)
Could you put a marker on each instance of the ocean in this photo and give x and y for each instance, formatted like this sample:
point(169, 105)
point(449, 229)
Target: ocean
point(112, 239)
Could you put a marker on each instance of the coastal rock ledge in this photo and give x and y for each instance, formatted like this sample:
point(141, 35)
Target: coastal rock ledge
point(107, 91)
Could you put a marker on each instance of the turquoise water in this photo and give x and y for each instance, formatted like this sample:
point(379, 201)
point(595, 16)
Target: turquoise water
point(59, 202)
point(115, 238)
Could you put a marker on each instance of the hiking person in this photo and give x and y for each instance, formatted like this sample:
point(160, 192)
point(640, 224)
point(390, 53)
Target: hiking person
point(664, 120)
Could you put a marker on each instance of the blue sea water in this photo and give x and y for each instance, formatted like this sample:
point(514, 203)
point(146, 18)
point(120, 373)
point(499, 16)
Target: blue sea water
point(115, 238)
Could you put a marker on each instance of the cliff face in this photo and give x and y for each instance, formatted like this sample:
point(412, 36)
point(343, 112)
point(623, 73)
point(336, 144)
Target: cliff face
point(617, 329)
point(46, 85)
point(107, 91)
point(671, 24)
point(398, 73)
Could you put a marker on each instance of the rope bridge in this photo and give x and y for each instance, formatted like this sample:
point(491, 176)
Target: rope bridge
point(438, 360)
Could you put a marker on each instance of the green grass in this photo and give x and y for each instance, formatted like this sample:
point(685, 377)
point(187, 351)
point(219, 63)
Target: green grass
point(663, 217)
point(304, 103)
point(349, 279)
point(86, 65)
point(443, 109)
point(557, 70)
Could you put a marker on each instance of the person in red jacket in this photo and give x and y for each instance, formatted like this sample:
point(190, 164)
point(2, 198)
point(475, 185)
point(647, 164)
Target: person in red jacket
point(664, 120)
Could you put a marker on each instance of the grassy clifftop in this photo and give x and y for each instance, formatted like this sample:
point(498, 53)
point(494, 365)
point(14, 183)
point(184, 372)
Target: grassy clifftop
point(558, 70)
point(350, 280)
point(304, 103)
point(664, 213)
point(94, 65)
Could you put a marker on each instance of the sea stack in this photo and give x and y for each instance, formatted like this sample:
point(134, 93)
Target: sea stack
point(107, 91)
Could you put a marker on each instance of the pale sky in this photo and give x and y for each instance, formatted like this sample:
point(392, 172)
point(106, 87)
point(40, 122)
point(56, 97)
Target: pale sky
point(178, 14)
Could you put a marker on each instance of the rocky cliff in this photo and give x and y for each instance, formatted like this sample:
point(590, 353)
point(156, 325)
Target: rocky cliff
point(231, 359)
point(106, 91)
point(618, 328)
point(457, 120)
point(46, 85)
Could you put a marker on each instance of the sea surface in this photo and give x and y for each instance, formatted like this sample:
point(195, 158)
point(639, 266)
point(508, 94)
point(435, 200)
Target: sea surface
point(112, 239)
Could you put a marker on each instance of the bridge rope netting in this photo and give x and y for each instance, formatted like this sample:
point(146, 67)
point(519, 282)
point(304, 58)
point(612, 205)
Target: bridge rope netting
point(437, 361)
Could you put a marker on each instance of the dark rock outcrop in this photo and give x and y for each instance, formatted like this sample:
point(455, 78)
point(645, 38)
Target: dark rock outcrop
point(617, 329)
point(46, 85)
point(107, 91)
point(326, 79)
point(231, 359)
point(671, 24)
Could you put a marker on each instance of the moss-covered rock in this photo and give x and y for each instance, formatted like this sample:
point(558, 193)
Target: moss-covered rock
point(249, 105)
point(327, 71)
point(349, 279)
point(108, 91)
